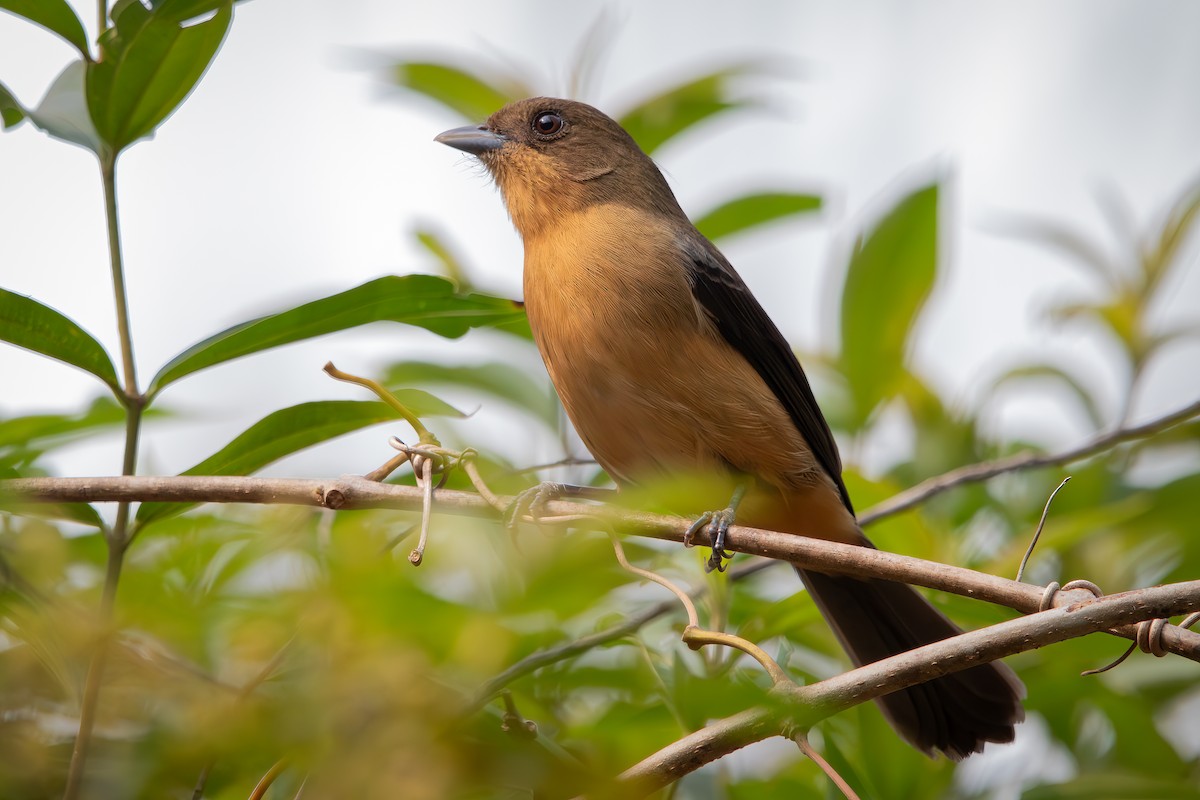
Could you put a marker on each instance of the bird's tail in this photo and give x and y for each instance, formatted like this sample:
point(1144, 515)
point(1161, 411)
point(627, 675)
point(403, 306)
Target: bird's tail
point(956, 713)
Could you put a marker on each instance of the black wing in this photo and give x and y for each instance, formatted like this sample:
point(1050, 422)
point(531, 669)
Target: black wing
point(746, 326)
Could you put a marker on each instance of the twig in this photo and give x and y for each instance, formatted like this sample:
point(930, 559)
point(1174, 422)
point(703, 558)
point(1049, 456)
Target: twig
point(562, 652)
point(514, 722)
point(801, 740)
point(694, 636)
point(260, 790)
point(569, 461)
point(688, 605)
point(1027, 460)
point(1041, 524)
point(423, 433)
point(425, 479)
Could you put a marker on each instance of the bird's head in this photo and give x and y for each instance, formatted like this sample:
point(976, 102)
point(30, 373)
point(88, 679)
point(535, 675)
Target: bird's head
point(553, 157)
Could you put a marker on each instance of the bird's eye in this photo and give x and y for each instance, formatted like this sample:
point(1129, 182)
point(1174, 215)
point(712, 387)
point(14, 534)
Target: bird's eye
point(547, 123)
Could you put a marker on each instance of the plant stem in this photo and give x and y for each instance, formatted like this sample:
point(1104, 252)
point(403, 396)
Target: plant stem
point(91, 684)
point(118, 538)
point(101, 16)
point(108, 171)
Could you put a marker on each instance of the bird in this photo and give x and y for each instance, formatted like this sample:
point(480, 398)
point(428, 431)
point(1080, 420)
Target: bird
point(666, 364)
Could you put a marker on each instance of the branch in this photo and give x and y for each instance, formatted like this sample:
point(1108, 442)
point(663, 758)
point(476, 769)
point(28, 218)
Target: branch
point(352, 492)
point(973, 473)
point(812, 703)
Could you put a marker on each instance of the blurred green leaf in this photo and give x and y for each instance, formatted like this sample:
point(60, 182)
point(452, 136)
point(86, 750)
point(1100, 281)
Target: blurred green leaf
point(658, 119)
point(891, 273)
point(1180, 223)
point(436, 244)
point(501, 381)
point(27, 323)
point(55, 16)
point(12, 113)
point(1054, 374)
point(751, 210)
point(458, 88)
point(63, 112)
point(102, 414)
point(81, 513)
point(276, 435)
point(1057, 236)
point(426, 301)
point(150, 64)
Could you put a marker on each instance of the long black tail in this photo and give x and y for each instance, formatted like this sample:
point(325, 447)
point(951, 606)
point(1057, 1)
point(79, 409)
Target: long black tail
point(956, 713)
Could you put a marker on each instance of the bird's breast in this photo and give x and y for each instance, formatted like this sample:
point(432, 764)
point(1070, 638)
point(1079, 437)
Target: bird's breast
point(649, 383)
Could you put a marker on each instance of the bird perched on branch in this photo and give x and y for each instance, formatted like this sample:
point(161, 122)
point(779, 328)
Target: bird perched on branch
point(667, 364)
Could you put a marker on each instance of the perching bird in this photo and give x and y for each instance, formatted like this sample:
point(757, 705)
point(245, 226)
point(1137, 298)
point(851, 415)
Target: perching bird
point(666, 364)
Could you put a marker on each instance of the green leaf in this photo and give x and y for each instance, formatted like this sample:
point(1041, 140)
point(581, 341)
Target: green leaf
point(55, 16)
point(151, 63)
point(12, 113)
point(501, 381)
point(426, 301)
point(436, 244)
point(752, 210)
point(25, 439)
point(458, 89)
point(276, 435)
point(27, 323)
point(891, 273)
point(63, 112)
point(81, 513)
point(423, 404)
point(1056, 236)
point(656, 120)
point(39, 429)
point(1180, 223)
point(1057, 375)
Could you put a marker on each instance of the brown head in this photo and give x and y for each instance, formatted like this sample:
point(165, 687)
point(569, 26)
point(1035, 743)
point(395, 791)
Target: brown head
point(552, 157)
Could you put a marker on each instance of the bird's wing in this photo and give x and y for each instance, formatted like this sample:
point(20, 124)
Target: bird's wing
point(746, 327)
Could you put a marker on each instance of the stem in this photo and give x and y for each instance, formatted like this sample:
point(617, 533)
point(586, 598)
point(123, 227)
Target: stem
point(118, 538)
point(101, 16)
point(108, 171)
point(91, 684)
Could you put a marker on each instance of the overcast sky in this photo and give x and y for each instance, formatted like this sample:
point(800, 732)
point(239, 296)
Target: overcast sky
point(293, 172)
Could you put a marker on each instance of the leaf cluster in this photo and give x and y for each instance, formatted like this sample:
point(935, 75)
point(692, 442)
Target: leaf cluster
point(243, 637)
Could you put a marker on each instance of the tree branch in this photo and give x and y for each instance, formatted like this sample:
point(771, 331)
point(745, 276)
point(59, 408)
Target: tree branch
point(353, 492)
point(973, 473)
point(812, 703)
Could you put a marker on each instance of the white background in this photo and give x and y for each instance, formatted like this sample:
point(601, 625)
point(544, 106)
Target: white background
point(294, 171)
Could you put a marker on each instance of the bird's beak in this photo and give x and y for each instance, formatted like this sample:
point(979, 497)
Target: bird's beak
point(474, 139)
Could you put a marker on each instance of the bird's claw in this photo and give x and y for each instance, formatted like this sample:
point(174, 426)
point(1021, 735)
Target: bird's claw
point(530, 503)
point(717, 523)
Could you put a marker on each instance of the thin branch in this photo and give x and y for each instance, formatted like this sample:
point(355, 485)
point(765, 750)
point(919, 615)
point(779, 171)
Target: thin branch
point(974, 473)
point(562, 652)
point(812, 703)
point(801, 740)
point(353, 492)
point(120, 535)
point(1037, 534)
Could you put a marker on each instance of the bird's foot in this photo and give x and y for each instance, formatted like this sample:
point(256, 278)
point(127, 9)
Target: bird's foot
point(530, 503)
point(717, 524)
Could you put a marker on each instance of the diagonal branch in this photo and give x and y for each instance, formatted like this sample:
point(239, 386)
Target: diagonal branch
point(973, 473)
point(807, 705)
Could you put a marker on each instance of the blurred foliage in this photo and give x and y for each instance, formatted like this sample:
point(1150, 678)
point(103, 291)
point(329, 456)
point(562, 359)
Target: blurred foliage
point(247, 636)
